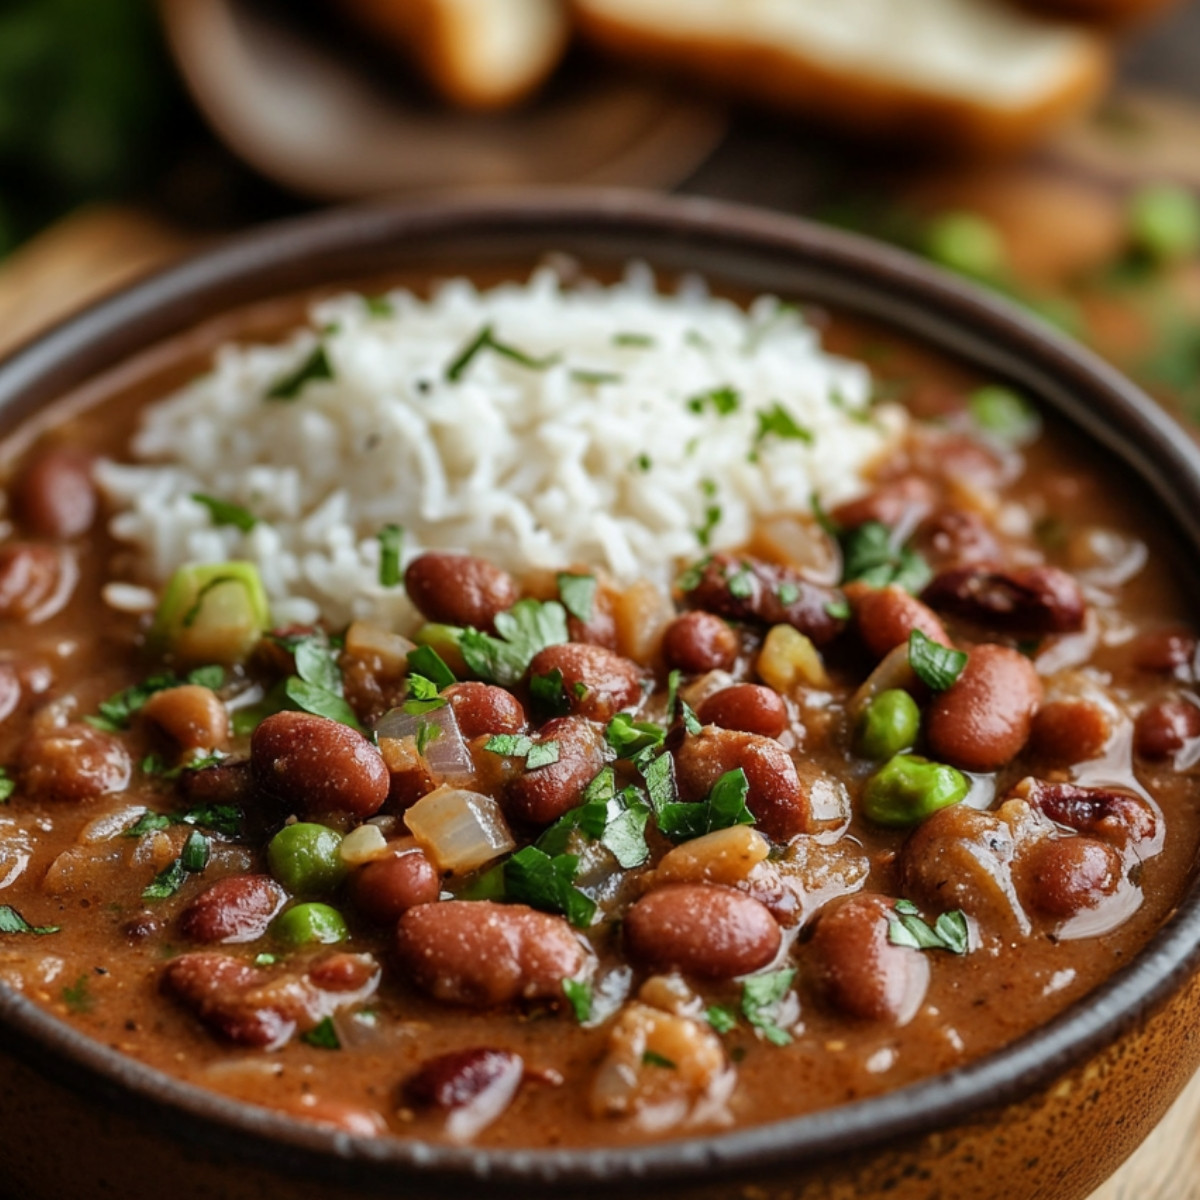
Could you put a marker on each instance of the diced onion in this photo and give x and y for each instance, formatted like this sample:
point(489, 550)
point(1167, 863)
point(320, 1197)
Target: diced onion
point(799, 542)
point(363, 845)
point(460, 830)
point(445, 753)
point(364, 640)
point(789, 659)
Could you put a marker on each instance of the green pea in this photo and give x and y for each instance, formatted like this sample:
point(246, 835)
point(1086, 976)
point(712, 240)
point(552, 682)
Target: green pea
point(909, 788)
point(304, 858)
point(304, 924)
point(966, 243)
point(1164, 222)
point(888, 725)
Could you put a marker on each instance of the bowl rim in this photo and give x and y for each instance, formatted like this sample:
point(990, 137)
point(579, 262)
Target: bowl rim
point(913, 297)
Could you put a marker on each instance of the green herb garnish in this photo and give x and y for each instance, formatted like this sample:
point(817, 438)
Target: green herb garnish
point(535, 878)
point(391, 542)
point(1004, 413)
point(317, 685)
point(549, 694)
point(651, 1058)
point(721, 1018)
point(426, 661)
point(323, 1036)
point(578, 594)
point(724, 807)
point(776, 421)
point(869, 555)
point(223, 512)
point(762, 996)
point(527, 627)
point(486, 339)
point(78, 995)
point(315, 366)
point(11, 921)
point(949, 932)
point(192, 859)
point(935, 665)
point(8, 785)
point(580, 997)
point(722, 400)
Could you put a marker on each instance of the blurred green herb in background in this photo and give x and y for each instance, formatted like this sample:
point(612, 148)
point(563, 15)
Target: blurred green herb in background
point(87, 96)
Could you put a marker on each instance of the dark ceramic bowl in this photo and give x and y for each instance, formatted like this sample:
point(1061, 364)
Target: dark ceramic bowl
point(1050, 1116)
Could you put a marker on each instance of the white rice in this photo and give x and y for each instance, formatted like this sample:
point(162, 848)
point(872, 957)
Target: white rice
point(529, 467)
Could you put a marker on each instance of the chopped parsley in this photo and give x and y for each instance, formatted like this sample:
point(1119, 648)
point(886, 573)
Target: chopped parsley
point(422, 696)
point(486, 339)
point(643, 462)
point(117, 712)
point(583, 375)
point(153, 764)
point(741, 583)
point(712, 518)
point(549, 693)
point(78, 995)
point(391, 542)
point(949, 932)
point(265, 960)
point(317, 685)
point(316, 366)
point(222, 819)
point(546, 882)
point(8, 785)
point(722, 400)
point(721, 1018)
point(527, 627)
point(869, 555)
point(578, 594)
point(724, 807)
point(323, 1036)
point(517, 745)
point(632, 339)
point(223, 512)
point(193, 858)
point(580, 997)
point(11, 921)
point(629, 737)
point(935, 665)
point(651, 1058)
point(762, 997)
point(838, 608)
point(379, 306)
point(615, 819)
point(776, 421)
point(426, 661)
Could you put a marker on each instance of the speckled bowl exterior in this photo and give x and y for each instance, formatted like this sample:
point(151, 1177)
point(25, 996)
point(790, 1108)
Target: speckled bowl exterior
point(1050, 1116)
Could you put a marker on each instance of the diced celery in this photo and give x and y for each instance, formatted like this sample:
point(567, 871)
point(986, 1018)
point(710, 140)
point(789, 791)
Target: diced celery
point(211, 613)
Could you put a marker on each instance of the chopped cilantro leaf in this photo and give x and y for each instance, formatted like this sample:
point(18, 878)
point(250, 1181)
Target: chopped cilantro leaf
point(148, 822)
point(511, 745)
point(839, 609)
point(741, 583)
point(950, 931)
point(578, 593)
point(317, 685)
point(617, 820)
point(632, 339)
point(935, 665)
point(211, 677)
point(594, 378)
point(535, 878)
point(315, 366)
point(265, 960)
point(787, 593)
point(776, 421)
point(485, 339)
point(1005, 414)
point(712, 518)
point(192, 858)
point(379, 306)
point(426, 661)
point(527, 627)
point(8, 785)
point(548, 693)
point(115, 713)
point(762, 996)
point(643, 462)
point(223, 512)
point(320, 702)
point(11, 921)
point(722, 1019)
point(627, 736)
point(544, 754)
point(651, 1058)
point(724, 807)
point(78, 995)
point(868, 555)
point(391, 542)
point(422, 696)
point(323, 1036)
point(722, 400)
point(579, 996)
point(223, 819)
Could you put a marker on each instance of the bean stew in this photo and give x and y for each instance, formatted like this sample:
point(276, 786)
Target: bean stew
point(573, 863)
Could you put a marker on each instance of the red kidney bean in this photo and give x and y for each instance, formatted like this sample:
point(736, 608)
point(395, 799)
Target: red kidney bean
point(457, 1079)
point(749, 707)
point(481, 708)
point(698, 642)
point(480, 954)
point(74, 762)
point(983, 720)
point(1025, 600)
point(264, 1006)
point(701, 929)
point(861, 972)
point(776, 797)
point(233, 910)
point(224, 783)
point(315, 765)
point(1165, 728)
point(1073, 873)
point(542, 795)
point(749, 589)
point(957, 537)
point(597, 682)
point(1165, 650)
point(458, 589)
point(1070, 731)
point(385, 888)
point(886, 616)
point(900, 500)
point(54, 495)
point(1113, 814)
point(35, 581)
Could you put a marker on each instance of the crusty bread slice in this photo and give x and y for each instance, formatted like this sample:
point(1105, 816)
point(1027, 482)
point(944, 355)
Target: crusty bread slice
point(973, 74)
point(475, 53)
